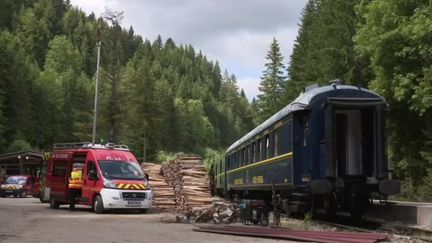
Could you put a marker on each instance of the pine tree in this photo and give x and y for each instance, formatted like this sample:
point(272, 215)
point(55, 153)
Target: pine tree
point(324, 48)
point(272, 82)
point(16, 82)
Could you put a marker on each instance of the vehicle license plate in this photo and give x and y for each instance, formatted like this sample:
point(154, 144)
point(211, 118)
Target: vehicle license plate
point(134, 203)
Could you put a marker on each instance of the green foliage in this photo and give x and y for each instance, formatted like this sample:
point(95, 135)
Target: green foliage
point(16, 76)
point(18, 145)
point(324, 48)
point(155, 95)
point(164, 157)
point(307, 220)
point(425, 189)
point(272, 82)
point(212, 157)
point(396, 37)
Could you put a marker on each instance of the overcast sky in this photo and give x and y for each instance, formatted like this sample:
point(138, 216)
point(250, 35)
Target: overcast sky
point(237, 33)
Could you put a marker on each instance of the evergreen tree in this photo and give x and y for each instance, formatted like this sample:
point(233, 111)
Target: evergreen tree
point(16, 81)
point(272, 82)
point(324, 49)
point(169, 95)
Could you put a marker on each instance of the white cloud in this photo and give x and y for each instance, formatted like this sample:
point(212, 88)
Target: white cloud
point(250, 86)
point(236, 33)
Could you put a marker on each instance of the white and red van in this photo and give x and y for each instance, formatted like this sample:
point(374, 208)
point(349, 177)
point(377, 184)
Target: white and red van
point(113, 178)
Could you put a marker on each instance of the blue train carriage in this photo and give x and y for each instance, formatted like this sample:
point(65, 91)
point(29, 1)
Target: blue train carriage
point(326, 150)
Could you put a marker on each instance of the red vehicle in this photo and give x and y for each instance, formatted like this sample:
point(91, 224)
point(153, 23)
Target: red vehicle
point(113, 178)
point(19, 186)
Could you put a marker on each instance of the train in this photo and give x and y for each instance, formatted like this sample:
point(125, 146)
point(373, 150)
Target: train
point(326, 150)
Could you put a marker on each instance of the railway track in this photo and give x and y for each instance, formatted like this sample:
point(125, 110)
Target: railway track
point(396, 232)
point(404, 233)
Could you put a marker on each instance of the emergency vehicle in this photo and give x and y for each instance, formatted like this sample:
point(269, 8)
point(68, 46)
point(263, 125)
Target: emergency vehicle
point(112, 177)
point(19, 186)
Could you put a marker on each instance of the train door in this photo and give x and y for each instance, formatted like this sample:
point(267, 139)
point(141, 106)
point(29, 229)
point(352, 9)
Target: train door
point(348, 139)
point(354, 138)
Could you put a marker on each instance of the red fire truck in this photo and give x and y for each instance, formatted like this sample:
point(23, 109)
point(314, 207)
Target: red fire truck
point(112, 177)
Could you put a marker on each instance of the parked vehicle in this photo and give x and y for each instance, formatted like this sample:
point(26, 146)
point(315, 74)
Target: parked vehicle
point(19, 186)
point(112, 177)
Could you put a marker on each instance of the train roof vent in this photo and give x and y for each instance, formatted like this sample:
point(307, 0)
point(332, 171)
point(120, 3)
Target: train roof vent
point(311, 87)
point(335, 82)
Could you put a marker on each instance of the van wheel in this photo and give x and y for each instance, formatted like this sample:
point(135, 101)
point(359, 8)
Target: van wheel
point(98, 205)
point(54, 204)
point(23, 194)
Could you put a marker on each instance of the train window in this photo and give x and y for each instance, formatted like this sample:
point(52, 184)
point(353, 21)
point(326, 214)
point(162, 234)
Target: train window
point(254, 150)
point(251, 149)
point(285, 138)
point(271, 146)
point(257, 150)
point(243, 157)
point(267, 147)
point(305, 130)
point(276, 142)
point(249, 153)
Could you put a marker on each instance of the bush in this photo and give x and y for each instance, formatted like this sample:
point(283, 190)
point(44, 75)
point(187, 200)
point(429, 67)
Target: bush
point(18, 145)
point(425, 190)
point(211, 157)
point(164, 156)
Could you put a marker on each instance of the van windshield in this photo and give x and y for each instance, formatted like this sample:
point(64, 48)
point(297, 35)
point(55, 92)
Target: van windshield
point(121, 170)
point(16, 180)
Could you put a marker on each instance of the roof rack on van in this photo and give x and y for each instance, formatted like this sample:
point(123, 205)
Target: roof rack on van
point(88, 145)
point(71, 145)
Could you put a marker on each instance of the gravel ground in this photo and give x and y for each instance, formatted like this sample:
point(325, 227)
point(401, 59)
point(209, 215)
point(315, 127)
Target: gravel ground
point(27, 220)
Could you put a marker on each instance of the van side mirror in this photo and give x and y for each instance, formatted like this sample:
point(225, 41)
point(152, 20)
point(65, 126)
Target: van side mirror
point(92, 175)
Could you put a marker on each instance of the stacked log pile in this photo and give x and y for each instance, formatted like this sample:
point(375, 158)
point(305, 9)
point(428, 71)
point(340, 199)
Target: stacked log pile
point(188, 176)
point(163, 194)
point(219, 212)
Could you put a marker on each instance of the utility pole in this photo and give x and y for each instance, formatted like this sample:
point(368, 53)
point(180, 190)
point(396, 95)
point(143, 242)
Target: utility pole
point(144, 150)
point(96, 88)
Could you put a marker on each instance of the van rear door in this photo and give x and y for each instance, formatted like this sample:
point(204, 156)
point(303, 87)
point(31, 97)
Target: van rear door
point(59, 179)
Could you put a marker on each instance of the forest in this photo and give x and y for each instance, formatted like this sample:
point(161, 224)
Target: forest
point(152, 94)
point(161, 98)
point(383, 45)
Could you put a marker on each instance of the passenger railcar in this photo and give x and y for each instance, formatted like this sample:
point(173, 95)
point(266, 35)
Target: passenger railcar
point(326, 150)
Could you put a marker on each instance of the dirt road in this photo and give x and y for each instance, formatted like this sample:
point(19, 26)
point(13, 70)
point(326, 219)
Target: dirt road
point(27, 220)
